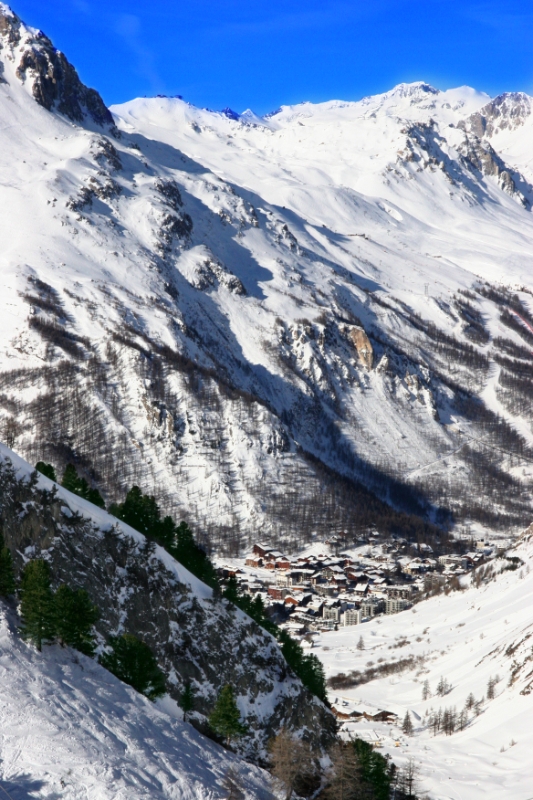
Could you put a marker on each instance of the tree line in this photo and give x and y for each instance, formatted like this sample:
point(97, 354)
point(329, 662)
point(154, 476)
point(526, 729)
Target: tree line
point(142, 512)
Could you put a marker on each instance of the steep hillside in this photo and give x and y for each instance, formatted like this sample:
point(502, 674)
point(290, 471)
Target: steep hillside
point(139, 589)
point(468, 638)
point(70, 729)
point(318, 319)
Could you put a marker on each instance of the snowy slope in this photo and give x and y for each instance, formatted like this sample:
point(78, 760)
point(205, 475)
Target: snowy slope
point(197, 637)
point(233, 312)
point(71, 729)
point(466, 637)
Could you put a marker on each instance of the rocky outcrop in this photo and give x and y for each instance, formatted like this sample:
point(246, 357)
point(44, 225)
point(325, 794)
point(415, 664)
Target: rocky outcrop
point(482, 157)
point(55, 84)
point(139, 589)
point(507, 111)
point(363, 346)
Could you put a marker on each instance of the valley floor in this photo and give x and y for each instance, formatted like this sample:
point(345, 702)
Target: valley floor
point(467, 638)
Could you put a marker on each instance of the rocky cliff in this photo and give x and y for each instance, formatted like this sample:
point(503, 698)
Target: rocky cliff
point(140, 589)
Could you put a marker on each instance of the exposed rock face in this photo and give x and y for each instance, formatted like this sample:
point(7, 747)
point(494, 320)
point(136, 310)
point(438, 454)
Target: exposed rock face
point(195, 637)
point(363, 347)
point(508, 110)
point(483, 157)
point(55, 82)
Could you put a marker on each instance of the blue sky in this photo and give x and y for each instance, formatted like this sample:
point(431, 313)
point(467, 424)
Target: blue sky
point(263, 54)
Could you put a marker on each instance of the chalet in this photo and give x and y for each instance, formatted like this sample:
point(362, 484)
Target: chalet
point(282, 563)
point(273, 556)
point(275, 593)
point(261, 549)
point(382, 716)
point(290, 601)
point(254, 561)
point(331, 572)
point(230, 572)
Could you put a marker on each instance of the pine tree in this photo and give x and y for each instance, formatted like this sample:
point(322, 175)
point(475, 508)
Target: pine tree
point(225, 719)
point(79, 486)
point(7, 576)
point(361, 643)
point(407, 725)
point(47, 470)
point(490, 688)
point(37, 603)
point(186, 701)
point(133, 662)
point(426, 692)
point(75, 616)
point(376, 772)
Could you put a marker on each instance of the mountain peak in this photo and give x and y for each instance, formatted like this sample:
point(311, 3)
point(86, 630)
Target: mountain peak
point(414, 89)
point(51, 79)
point(509, 110)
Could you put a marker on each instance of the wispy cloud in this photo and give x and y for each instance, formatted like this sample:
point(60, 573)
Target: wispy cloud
point(332, 14)
point(129, 28)
point(83, 6)
point(517, 23)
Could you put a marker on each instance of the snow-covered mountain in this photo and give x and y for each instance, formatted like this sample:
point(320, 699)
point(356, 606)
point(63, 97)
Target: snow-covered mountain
point(278, 325)
point(466, 640)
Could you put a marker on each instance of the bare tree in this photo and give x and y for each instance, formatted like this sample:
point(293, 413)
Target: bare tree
point(291, 762)
point(344, 778)
point(232, 783)
point(408, 779)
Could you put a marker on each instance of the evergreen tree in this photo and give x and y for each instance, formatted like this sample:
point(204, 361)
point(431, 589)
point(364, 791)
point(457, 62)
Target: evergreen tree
point(75, 616)
point(376, 772)
point(361, 643)
point(186, 701)
point(37, 603)
point(192, 556)
point(79, 486)
point(7, 576)
point(133, 662)
point(426, 691)
point(47, 470)
point(407, 725)
point(225, 719)
point(142, 512)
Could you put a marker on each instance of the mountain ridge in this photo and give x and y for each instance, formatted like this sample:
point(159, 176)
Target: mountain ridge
point(185, 304)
